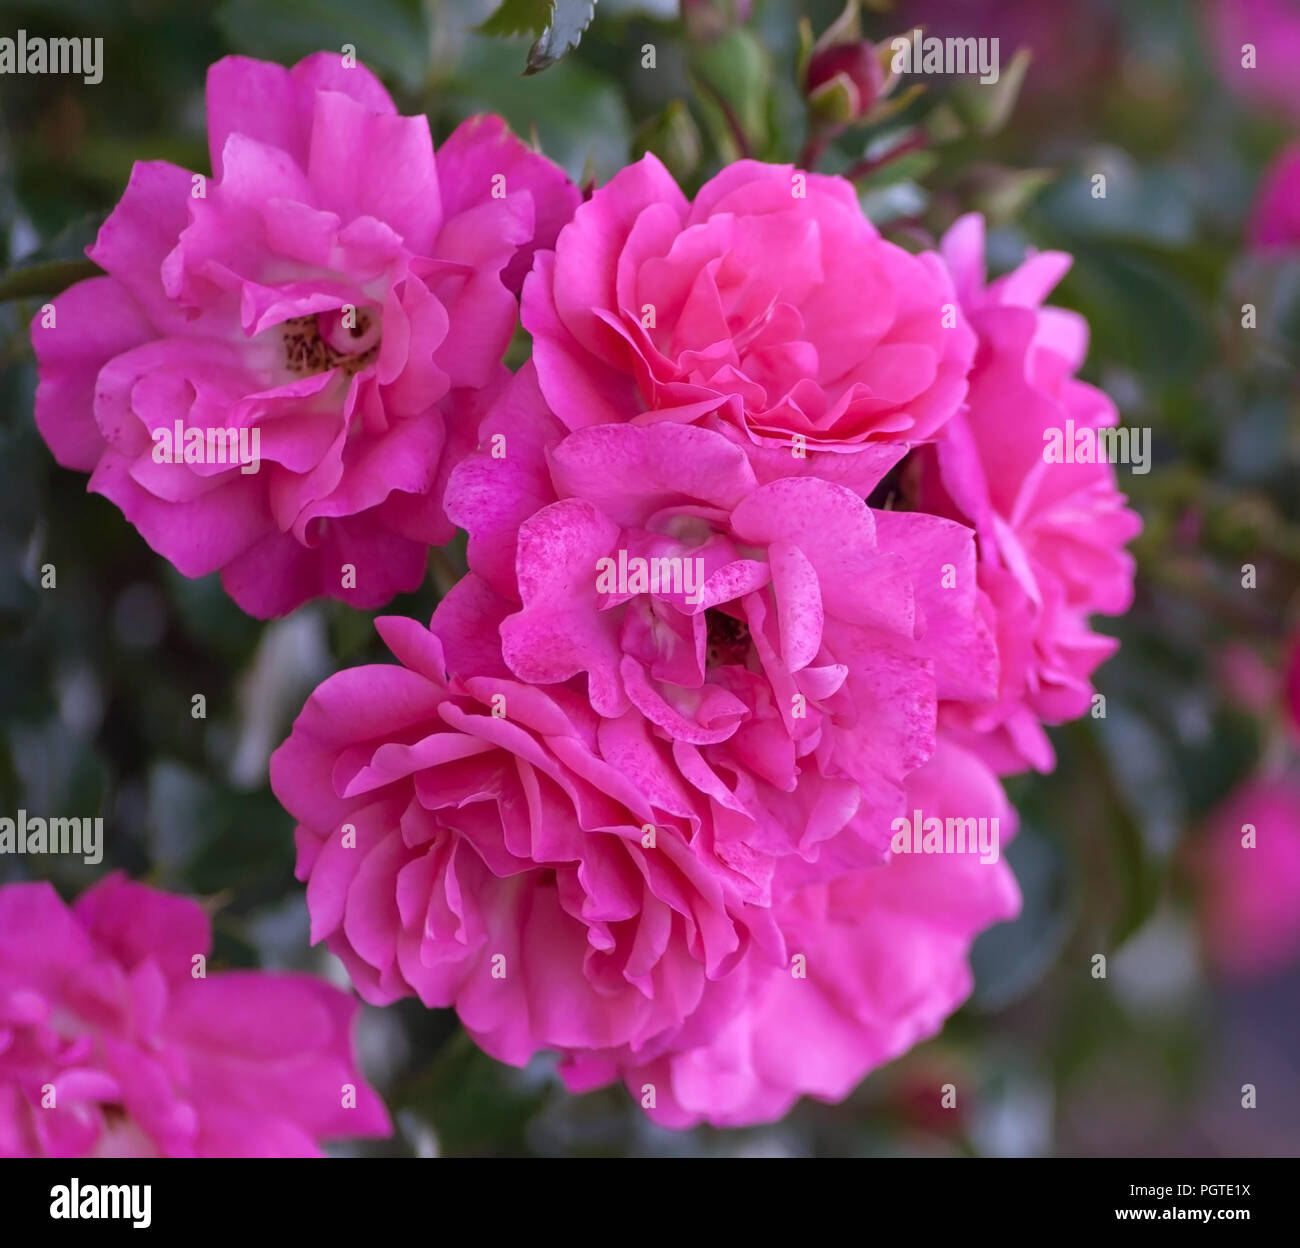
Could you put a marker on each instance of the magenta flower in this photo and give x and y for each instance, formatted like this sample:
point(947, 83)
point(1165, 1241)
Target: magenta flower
point(769, 309)
point(111, 1046)
point(1248, 868)
point(1051, 534)
point(498, 847)
point(495, 846)
point(286, 359)
point(795, 669)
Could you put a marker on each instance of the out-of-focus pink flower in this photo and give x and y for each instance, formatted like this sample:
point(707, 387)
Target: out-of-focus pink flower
point(1245, 678)
point(796, 686)
point(1248, 868)
point(1291, 684)
point(1051, 535)
point(769, 309)
point(320, 320)
point(1272, 28)
point(884, 963)
point(111, 1046)
point(1072, 41)
point(1275, 218)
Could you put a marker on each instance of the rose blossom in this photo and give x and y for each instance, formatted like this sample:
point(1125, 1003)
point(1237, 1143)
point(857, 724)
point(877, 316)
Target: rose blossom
point(769, 308)
point(495, 846)
point(482, 843)
point(333, 293)
point(797, 688)
point(110, 1047)
point(1051, 535)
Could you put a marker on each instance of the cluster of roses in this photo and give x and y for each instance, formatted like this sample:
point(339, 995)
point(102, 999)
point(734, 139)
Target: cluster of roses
point(646, 829)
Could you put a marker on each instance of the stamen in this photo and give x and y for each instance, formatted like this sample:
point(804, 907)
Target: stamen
point(728, 640)
point(315, 343)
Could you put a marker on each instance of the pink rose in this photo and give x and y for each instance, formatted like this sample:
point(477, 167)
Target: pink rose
point(1248, 866)
point(496, 847)
point(111, 1047)
point(768, 309)
point(320, 321)
point(1051, 535)
point(500, 848)
point(793, 667)
point(884, 963)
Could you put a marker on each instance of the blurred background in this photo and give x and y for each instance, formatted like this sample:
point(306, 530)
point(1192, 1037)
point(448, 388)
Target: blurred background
point(1129, 849)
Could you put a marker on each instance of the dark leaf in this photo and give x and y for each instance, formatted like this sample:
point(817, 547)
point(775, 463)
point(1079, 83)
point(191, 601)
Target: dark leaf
point(47, 278)
point(569, 18)
point(389, 35)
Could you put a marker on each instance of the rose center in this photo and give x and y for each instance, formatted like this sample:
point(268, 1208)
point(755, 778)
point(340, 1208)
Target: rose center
point(343, 338)
point(728, 639)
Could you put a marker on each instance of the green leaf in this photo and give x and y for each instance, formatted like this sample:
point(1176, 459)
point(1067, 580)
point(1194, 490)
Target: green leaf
point(389, 35)
point(1130, 882)
point(1142, 314)
point(987, 107)
point(569, 18)
point(1008, 959)
point(518, 17)
point(476, 1105)
point(912, 166)
point(847, 28)
point(47, 278)
point(1003, 194)
point(886, 109)
point(578, 113)
point(835, 102)
point(674, 137)
point(735, 75)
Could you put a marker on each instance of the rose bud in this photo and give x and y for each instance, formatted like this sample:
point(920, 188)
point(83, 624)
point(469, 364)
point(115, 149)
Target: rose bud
point(851, 70)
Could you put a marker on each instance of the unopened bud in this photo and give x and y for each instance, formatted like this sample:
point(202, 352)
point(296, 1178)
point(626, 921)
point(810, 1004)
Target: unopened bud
point(850, 71)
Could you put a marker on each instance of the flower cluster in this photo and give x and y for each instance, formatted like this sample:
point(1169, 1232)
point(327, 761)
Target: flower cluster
point(693, 779)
